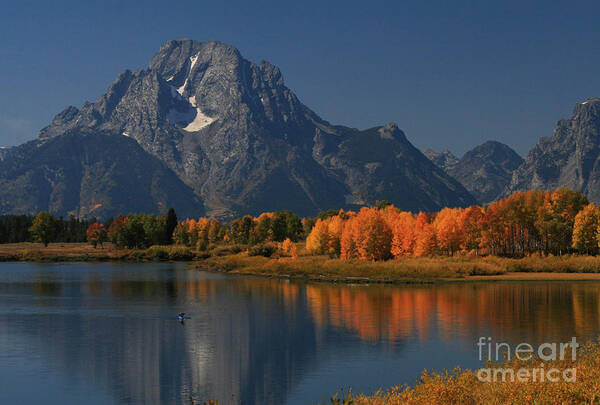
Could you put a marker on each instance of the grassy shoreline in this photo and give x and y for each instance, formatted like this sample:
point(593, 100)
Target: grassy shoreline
point(82, 252)
point(408, 270)
point(462, 386)
point(234, 260)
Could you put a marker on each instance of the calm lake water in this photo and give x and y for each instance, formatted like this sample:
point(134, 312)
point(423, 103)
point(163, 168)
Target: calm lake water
point(108, 333)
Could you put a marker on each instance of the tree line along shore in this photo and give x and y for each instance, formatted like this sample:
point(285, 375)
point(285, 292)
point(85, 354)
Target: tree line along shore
point(534, 231)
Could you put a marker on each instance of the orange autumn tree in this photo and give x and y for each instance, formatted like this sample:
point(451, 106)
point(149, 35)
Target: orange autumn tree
point(448, 231)
point(404, 235)
point(348, 248)
point(368, 237)
point(96, 234)
point(425, 243)
point(471, 223)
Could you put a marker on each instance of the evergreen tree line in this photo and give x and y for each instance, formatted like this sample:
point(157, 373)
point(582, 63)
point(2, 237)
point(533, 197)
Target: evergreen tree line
point(16, 229)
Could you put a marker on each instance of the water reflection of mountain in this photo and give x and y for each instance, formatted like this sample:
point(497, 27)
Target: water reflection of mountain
point(242, 345)
point(252, 340)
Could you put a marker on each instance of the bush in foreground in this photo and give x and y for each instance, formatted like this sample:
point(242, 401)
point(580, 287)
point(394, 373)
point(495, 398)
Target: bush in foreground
point(463, 386)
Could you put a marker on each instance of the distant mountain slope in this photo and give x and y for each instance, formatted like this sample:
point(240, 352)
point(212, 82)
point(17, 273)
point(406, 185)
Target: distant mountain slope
point(380, 163)
point(486, 170)
point(90, 174)
point(242, 141)
point(570, 158)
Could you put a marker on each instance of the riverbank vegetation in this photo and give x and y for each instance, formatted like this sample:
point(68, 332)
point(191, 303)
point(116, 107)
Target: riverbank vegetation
point(464, 387)
point(535, 231)
point(239, 259)
point(406, 269)
point(83, 252)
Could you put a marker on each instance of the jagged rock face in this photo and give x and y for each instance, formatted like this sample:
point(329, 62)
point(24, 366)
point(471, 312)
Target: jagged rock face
point(569, 159)
point(486, 170)
point(90, 175)
point(244, 143)
point(444, 160)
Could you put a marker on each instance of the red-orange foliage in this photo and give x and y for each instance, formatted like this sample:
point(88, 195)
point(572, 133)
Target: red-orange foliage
point(471, 222)
point(404, 235)
point(425, 243)
point(521, 224)
point(96, 234)
point(367, 236)
point(449, 232)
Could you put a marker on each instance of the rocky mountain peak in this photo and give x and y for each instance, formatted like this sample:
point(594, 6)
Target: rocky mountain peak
point(586, 114)
point(500, 153)
point(231, 131)
point(391, 131)
point(570, 158)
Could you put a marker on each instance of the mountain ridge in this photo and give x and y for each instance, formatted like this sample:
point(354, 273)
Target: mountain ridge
point(232, 132)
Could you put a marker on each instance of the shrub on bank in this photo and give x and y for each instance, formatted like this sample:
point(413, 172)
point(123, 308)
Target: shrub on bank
point(164, 253)
point(265, 250)
point(464, 387)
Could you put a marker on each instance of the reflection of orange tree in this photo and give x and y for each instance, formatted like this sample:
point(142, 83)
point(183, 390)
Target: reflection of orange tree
point(201, 289)
point(374, 313)
point(586, 308)
point(530, 311)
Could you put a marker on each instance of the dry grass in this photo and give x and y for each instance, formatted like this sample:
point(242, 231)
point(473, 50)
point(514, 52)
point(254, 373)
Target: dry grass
point(463, 386)
point(551, 264)
point(325, 268)
point(568, 267)
point(68, 252)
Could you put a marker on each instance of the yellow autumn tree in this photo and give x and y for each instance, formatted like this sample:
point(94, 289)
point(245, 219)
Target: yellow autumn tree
point(585, 230)
point(289, 248)
point(335, 227)
point(318, 239)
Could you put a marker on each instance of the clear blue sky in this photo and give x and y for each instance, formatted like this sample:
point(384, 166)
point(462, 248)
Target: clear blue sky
point(451, 74)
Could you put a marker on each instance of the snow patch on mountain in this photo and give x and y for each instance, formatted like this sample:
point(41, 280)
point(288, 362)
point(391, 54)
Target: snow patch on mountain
point(192, 119)
point(193, 60)
point(200, 121)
